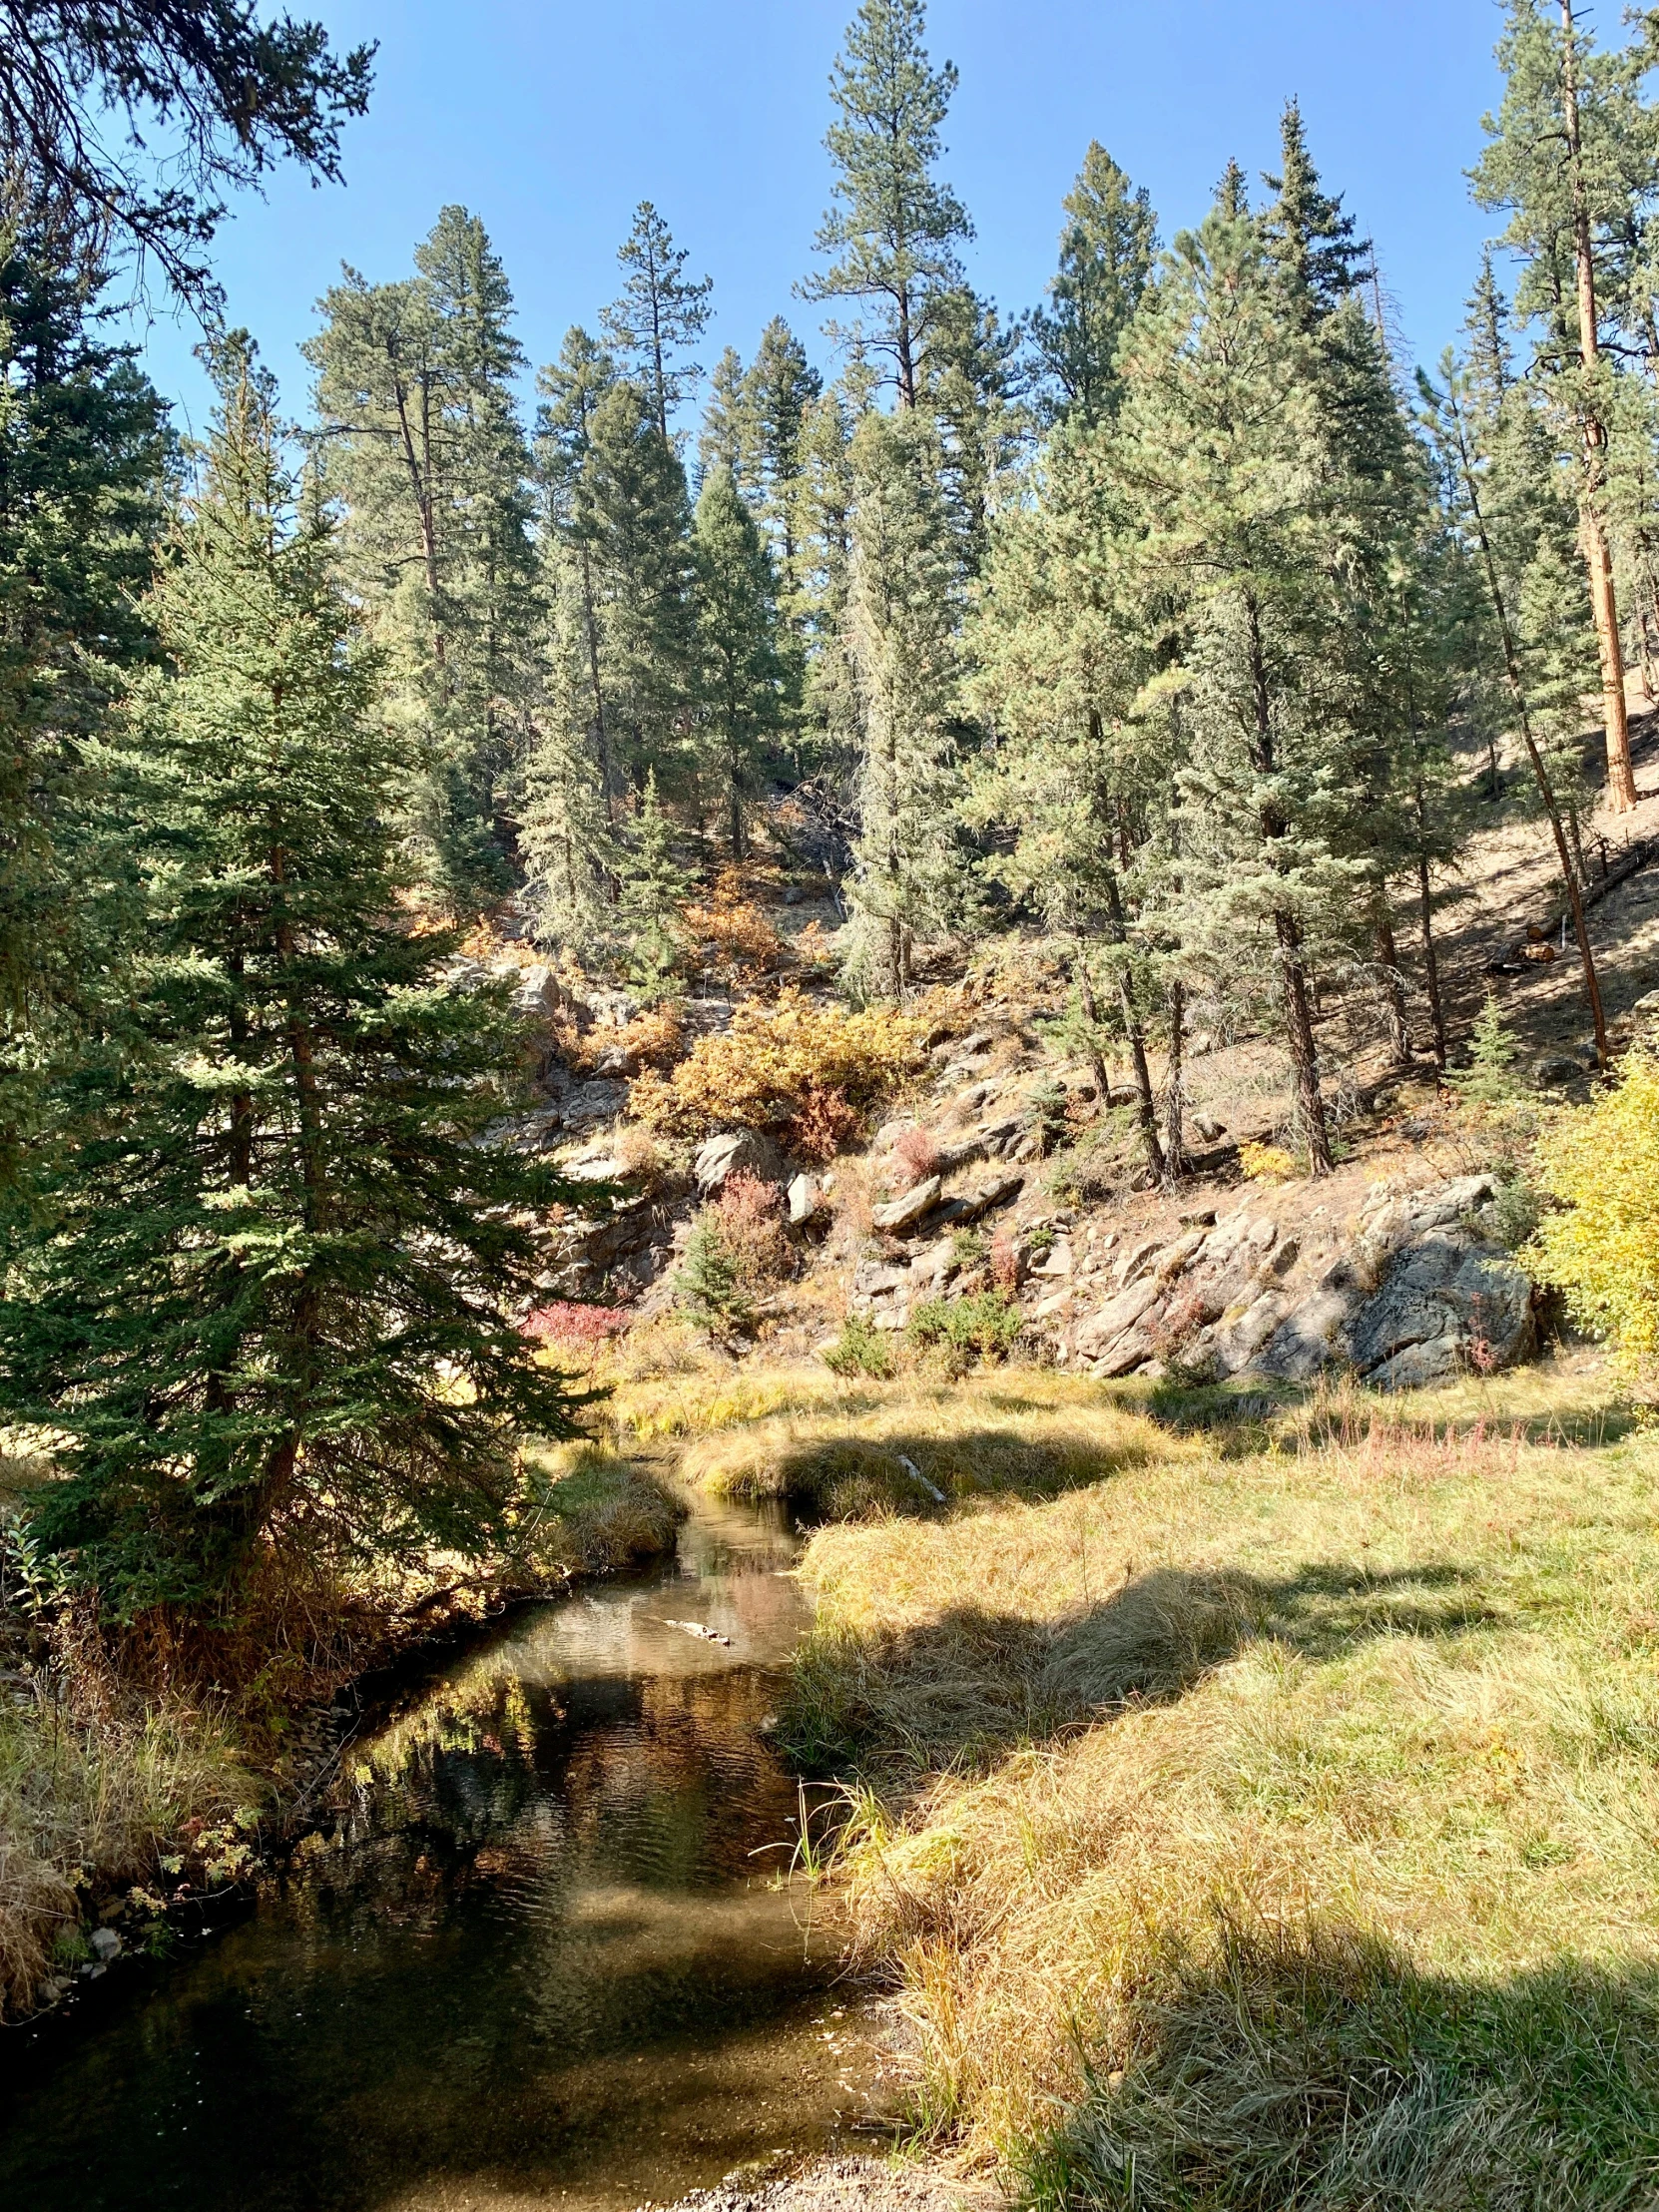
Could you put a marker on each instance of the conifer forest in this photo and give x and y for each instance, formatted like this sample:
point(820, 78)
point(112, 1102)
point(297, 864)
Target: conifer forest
point(896, 1104)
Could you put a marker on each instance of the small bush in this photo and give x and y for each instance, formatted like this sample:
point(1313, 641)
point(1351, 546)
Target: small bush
point(732, 936)
point(915, 1155)
point(749, 1219)
point(1600, 1163)
point(808, 1072)
point(574, 1326)
point(985, 1327)
point(969, 1248)
point(861, 1349)
point(1005, 1263)
point(1266, 1163)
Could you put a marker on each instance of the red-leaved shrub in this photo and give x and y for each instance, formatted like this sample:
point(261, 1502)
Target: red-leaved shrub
point(915, 1155)
point(567, 1321)
point(749, 1219)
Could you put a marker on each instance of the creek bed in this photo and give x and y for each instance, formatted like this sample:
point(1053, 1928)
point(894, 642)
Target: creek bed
point(543, 1957)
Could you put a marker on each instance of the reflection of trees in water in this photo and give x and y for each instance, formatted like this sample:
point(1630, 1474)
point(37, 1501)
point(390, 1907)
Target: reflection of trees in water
point(662, 1782)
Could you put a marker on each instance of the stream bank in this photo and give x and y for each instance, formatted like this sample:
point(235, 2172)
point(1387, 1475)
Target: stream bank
point(538, 1952)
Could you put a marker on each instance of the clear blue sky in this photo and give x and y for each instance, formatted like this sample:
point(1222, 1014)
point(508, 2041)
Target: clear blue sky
point(550, 121)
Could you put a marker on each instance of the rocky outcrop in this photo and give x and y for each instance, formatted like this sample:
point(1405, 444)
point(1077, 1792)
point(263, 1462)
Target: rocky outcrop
point(1421, 1291)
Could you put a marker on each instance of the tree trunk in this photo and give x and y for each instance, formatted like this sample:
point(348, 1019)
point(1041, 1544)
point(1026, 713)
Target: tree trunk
point(1146, 1104)
point(1174, 1135)
point(1394, 987)
point(1091, 1014)
point(1546, 792)
point(1430, 959)
point(1298, 1030)
point(1598, 559)
point(1298, 1022)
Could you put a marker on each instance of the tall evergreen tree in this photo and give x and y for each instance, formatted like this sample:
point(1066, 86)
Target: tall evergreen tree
point(894, 231)
point(268, 1295)
point(741, 675)
point(727, 438)
point(1225, 468)
point(661, 314)
point(422, 445)
point(1552, 164)
point(82, 447)
point(1106, 257)
point(571, 389)
point(901, 624)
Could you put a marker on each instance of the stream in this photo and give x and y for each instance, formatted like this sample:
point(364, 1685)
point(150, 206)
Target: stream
point(544, 1957)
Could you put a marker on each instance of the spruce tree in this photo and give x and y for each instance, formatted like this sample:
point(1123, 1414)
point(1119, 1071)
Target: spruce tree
point(894, 229)
point(662, 314)
point(742, 677)
point(268, 1297)
point(1106, 256)
point(571, 389)
point(727, 438)
point(83, 449)
point(901, 623)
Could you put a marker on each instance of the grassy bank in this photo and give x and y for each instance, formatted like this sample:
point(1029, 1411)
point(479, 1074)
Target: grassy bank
point(1266, 1821)
point(123, 1772)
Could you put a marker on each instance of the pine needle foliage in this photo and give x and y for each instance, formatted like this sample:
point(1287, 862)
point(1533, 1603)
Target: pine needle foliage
point(267, 1293)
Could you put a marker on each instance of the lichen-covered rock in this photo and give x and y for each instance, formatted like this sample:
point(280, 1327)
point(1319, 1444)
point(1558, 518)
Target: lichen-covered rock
point(903, 1212)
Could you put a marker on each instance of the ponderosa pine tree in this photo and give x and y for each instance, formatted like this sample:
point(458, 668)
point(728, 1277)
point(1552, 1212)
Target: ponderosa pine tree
point(1553, 164)
point(1107, 251)
point(420, 442)
point(1222, 468)
point(269, 1296)
point(894, 231)
point(661, 314)
point(742, 679)
point(901, 634)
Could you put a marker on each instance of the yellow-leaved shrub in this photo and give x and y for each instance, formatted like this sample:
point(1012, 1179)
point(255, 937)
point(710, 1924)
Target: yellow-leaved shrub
point(803, 1071)
point(1600, 1163)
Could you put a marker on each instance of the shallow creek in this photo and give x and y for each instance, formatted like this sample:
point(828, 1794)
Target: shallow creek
point(543, 1957)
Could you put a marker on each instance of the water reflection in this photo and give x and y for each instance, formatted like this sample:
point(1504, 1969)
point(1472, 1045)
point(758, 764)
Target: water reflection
point(537, 1960)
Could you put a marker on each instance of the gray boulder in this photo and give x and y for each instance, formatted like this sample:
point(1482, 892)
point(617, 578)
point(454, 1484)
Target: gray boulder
point(1449, 1302)
point(747, 1150)
point(904, 1211)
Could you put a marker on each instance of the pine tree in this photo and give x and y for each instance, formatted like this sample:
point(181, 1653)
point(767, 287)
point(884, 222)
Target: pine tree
point(1553, 164)
point(1307, 231)
point(268, 1299)
point(1224, 468)
point(894, 229)
point(901, 624)
point(654, 889)
point(968, 387)
point(421, 444)
point(743, 679)
point(1106, 254)
point(727, 438)
point(82, 447)
point(571, 389)
point(661, 313)
point(633, 512)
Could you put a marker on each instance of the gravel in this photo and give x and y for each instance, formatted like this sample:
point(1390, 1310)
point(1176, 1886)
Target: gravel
point(842, 2185)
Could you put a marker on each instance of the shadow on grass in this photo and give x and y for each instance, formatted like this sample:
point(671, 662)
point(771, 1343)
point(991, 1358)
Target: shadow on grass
point(964, 1690)
point(1313, 2065)
point(851, 1478)
point(1239, 1418)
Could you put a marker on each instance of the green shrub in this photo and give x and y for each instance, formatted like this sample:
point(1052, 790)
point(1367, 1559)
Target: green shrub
point(985, 1327)
point(861, 1349)
point(1600, 1163)
point(709, 1288)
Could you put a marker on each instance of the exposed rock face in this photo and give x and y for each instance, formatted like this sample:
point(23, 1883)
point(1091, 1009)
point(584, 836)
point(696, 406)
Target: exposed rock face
point(903, 1212)
point(737, 1150)
point(1420, 1294)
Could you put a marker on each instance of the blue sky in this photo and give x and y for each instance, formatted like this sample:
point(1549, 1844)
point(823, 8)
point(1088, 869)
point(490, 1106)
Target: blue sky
point(551, 121)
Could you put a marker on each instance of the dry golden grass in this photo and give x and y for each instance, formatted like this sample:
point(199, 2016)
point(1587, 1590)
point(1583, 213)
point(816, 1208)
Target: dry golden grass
point(842, 1452)
point(1272, 1830)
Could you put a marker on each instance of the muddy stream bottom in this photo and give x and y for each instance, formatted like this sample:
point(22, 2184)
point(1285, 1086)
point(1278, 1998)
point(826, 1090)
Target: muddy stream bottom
point(544, 1957)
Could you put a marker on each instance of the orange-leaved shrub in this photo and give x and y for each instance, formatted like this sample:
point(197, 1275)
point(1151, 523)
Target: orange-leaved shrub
point(805, 1072)
point(731, 934)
